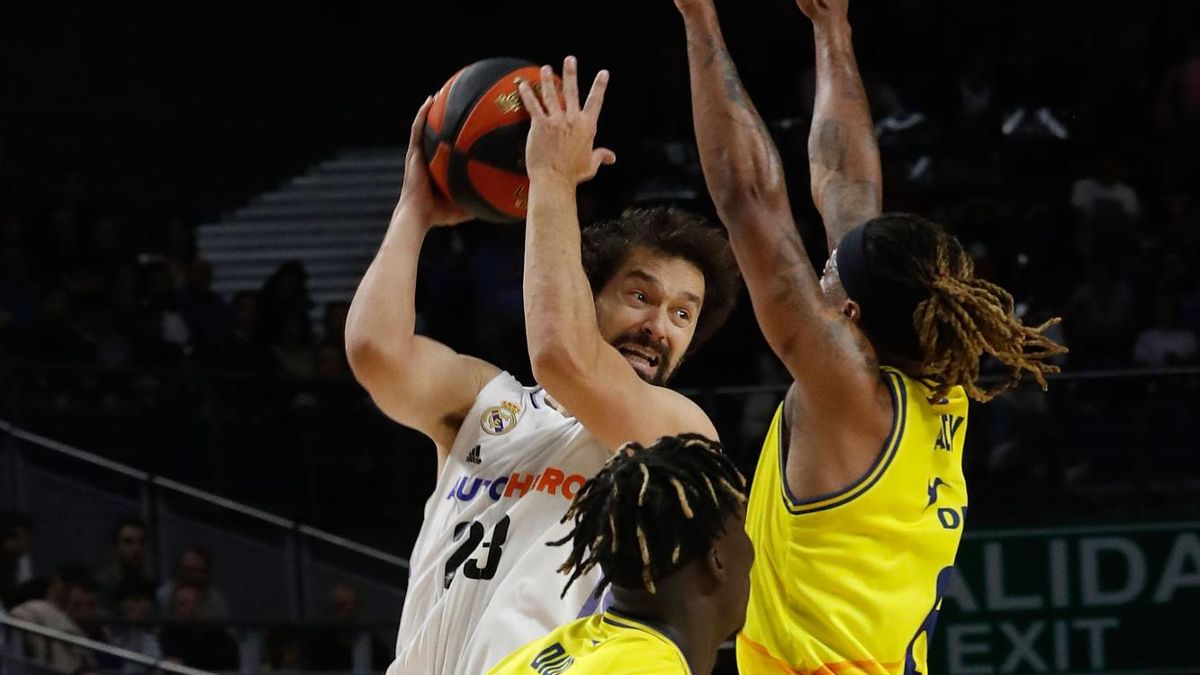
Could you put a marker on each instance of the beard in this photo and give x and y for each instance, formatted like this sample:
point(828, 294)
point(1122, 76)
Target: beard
point(656, 373)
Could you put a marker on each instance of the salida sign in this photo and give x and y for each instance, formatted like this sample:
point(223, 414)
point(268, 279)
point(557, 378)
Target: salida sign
point(1085, 600)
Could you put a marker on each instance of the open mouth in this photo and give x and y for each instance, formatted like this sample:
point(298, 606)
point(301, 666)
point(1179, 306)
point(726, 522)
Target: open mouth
point(637, 355)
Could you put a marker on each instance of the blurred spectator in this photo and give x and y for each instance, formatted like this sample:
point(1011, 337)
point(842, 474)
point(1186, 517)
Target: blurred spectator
point(293, 349)
point(109, 328)
point(193, 567)
point(161, 297)
point(246, 352)
point(179, 249)
point(50, 611)
point(188, 639)
point(135, 610)
point(128, 564)
point(285, 650)
point(335, 646)
point(1100, 320)
point(284, 294)
point(1166, 342)
point(15, 564)
point(1105, 193)
point(16, 535)
point(83, 607)
point(208, 317)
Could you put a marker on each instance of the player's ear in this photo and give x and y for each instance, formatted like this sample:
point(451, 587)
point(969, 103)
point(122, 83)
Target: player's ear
point(852, 310)
point(716, 566)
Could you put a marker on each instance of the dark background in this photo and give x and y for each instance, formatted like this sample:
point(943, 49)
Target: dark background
point(141, 115)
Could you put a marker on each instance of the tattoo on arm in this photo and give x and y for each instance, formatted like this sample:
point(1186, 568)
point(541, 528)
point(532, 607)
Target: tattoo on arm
point(745, 114)
point(844, 202)
point(790, 295)
point(789, 271)
point(830, 148)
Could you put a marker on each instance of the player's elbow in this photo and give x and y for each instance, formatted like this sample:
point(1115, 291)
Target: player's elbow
point(554, 362)
point(371, 361)
point(788, 345)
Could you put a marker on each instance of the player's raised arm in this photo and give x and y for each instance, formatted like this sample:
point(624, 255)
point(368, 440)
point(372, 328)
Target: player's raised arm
point(843, 156)
point(416, 381)
point(745, 178)
point(570, 356)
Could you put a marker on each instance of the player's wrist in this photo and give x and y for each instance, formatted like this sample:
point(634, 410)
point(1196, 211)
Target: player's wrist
point(833, 31)
point(412, 212)
point(696, 10)
point(551, 178)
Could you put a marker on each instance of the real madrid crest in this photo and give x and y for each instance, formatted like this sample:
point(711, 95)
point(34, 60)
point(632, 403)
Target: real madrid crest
point(500, 419)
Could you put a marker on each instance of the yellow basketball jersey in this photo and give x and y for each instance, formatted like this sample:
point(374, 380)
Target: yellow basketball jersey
point(597, 645)
point(851, 582)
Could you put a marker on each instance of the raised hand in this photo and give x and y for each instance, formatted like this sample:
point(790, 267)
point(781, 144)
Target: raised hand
point(561, 134)
point(821, 11)
point(418, 191)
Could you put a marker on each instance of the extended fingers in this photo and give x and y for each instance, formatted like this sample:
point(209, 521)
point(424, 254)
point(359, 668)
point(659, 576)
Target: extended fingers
point(530, 99)
point(595, 99)
point(571, 84)
point(550, 92)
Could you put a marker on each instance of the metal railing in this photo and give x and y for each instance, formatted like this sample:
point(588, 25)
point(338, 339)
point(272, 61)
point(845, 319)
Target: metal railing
point(16, 629)
point(153, 492)
point(196, 493)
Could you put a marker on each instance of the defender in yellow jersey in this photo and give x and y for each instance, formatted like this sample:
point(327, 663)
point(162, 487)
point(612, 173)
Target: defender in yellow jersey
point(598, 645)
point(858, 500)
point(665, 525)
point(852, 581)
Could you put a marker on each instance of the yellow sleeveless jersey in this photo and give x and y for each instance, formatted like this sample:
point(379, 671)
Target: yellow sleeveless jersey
point(597, 645)
point(851, 582)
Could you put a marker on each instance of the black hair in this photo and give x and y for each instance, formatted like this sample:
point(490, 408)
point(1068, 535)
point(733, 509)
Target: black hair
point(673, 232)
point(652, 510)
point(128, 521)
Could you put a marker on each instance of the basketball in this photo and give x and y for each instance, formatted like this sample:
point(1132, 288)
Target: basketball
point(474, 138)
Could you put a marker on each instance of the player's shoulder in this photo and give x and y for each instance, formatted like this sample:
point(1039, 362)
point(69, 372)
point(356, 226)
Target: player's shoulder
point(635, 648)
point(686, 414)
point(640, 655)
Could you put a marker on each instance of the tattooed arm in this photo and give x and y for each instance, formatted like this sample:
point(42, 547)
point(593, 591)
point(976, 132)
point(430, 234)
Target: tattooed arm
point(842, 153)
point(819, 347)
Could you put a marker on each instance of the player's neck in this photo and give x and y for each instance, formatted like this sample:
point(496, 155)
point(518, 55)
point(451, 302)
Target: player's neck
point(677, 616)
point(907, 366)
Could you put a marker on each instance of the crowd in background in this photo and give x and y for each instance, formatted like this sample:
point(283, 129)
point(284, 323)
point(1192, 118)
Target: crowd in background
point(1069, 171)
point(185, 619)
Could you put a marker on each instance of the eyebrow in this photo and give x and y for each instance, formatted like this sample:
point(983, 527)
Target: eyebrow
point(651, 279)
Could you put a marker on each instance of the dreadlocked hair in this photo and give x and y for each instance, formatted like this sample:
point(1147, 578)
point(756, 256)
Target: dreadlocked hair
point(651, 510)
point(961, 317)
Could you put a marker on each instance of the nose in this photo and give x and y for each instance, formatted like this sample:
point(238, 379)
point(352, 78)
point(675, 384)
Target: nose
point(656, 327)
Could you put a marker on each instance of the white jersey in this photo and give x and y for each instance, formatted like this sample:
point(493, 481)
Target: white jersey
point(483, 581)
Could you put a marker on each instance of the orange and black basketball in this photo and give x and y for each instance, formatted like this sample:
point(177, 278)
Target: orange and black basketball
point(475, 138)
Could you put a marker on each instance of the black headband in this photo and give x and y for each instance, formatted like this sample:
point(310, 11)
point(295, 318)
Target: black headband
point(885, 307)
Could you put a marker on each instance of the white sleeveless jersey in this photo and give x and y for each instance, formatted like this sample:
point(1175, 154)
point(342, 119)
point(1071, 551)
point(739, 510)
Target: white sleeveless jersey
point(483, 581)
